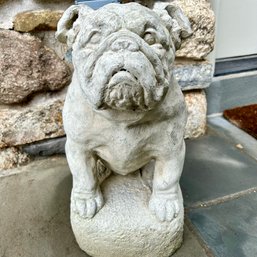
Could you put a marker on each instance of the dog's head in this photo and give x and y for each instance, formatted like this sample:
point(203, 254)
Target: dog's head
point(122, 54)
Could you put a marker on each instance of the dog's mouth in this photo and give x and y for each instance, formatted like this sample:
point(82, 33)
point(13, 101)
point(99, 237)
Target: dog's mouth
point(124, 92)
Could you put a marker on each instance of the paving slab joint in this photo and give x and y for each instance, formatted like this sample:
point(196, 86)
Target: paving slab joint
point(223, 199)
point(195, 232)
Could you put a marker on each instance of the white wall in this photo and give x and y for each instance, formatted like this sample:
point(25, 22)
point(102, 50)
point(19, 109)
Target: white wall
point(236, 33)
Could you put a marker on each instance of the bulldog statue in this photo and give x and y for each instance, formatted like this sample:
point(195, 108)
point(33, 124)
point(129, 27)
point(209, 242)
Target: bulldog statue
point(123, 107)
point(123, 112)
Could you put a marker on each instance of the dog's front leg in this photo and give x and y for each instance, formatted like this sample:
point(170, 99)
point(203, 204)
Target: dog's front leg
point(86, 199)
point(164, 202)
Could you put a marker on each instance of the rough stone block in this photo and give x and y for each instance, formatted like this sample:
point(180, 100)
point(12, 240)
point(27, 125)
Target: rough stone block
point(27, 66)
point(22, 125)
point(193, 74)
point(202, 20)
point(197, 108)
point(36, 20)
point(8, 9)
point(49, 40)
point(12, 157)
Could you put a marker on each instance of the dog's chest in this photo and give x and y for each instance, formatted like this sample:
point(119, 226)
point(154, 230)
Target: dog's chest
point(124, 150)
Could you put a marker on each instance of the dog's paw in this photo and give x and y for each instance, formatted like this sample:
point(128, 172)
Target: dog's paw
point(164, 208)
point(87, 205)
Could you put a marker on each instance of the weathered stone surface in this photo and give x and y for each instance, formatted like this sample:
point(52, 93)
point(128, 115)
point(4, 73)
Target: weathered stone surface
point(27, 66)
point(124, 226)
point(202, 19)
point(31, 123)
point(49, 40)
point(193, 74)
point(123, 77)
point(11, 157)
point(197, 108)
point(46, 148)
point(36, 20)
point(8, 9)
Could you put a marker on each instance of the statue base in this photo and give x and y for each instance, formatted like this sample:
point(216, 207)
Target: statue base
point(124, 227)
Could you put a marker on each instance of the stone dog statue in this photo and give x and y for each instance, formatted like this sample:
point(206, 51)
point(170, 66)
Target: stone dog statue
point(123, 108)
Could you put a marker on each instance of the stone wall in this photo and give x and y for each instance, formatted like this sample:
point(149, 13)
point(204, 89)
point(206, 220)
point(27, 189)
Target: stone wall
point(34, 76)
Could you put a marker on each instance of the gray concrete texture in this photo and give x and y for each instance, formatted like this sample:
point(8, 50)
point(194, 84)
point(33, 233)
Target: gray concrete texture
point(229, 229)
point(215, 168)
point(219, 185)
point(34, 213)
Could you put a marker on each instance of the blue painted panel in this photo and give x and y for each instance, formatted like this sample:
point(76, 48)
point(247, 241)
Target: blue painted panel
point(95, 4)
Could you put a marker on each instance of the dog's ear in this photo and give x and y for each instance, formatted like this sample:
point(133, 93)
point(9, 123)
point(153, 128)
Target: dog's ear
point(69, 25)
point(175, 20)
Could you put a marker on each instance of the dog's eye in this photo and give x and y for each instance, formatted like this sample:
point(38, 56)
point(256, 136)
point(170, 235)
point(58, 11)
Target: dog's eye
point(94, 37)
point(149, 38)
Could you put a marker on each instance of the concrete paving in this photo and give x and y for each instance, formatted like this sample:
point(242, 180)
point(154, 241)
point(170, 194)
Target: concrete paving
point(229, 228)
point(219, 183)
point(214, 168)
point(34, 213)
point(233, 134)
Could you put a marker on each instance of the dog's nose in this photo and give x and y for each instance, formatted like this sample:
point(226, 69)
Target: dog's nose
point(124, 44)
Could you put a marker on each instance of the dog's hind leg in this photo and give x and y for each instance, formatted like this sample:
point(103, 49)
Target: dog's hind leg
point(86, 198)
